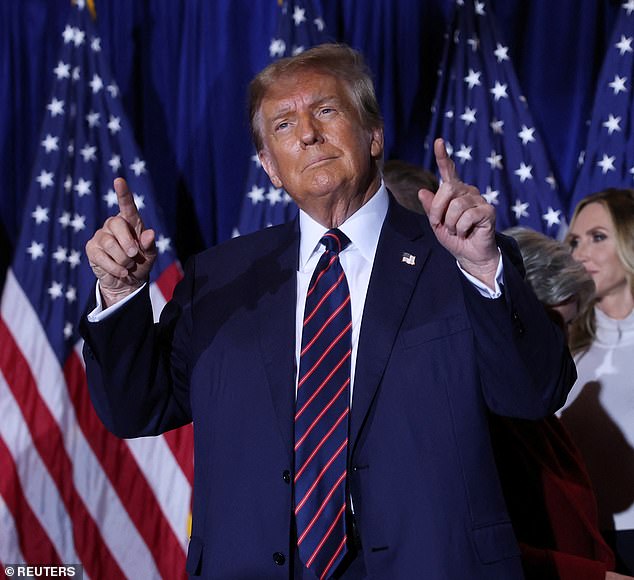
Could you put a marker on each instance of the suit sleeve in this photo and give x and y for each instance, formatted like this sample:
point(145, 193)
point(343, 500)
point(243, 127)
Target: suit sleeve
point(525, 367)
point(137, 370)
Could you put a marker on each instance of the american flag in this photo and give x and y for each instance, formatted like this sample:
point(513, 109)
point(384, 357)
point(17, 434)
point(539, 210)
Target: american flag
point(480, 112)
point(70, 492)
point(608, 160)
point(299, 27)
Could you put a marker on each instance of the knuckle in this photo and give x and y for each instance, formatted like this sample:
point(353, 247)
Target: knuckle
point(116, 223)
point(94, 244)
point(110, 244)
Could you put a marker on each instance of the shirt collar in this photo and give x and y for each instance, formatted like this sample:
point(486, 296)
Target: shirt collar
point(363, 228)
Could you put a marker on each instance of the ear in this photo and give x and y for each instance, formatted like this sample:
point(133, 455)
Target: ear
point(270, 168)
point(376, 143)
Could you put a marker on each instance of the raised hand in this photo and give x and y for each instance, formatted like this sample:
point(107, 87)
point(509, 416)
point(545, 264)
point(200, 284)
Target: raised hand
point(122, 252)
point(462, 220)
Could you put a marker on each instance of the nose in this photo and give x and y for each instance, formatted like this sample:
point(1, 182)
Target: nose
point(580, 251)
point(309, 131)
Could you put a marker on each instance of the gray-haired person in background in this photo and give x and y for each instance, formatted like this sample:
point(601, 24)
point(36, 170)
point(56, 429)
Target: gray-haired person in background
point(560, 283)
point(545, 483)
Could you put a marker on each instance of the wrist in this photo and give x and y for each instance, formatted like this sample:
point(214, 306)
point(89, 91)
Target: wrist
point(484, 270)
point(110, 297)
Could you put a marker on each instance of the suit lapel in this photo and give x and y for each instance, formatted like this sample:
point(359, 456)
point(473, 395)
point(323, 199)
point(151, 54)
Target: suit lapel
point(392, 282)
point(403, 248)
point(277, 281)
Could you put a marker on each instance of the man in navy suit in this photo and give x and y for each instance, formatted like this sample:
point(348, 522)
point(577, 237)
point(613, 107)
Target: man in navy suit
point(442, 330)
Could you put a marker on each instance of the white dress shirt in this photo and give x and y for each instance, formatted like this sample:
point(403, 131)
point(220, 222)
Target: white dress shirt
point(363, 229)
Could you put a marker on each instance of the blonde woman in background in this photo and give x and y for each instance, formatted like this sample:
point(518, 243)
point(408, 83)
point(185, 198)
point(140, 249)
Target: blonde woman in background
point(599, 412)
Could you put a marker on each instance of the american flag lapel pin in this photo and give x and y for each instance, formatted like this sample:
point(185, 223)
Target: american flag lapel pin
point(408, 258)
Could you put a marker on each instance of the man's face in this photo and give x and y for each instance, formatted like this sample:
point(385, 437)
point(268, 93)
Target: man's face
point(314, 145)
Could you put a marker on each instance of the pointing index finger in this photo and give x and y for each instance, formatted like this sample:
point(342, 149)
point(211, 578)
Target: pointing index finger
point(127, 207)
point(446, 166)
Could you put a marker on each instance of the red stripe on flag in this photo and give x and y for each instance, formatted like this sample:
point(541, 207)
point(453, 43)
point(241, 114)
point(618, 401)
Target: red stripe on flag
point(127, 479)
point(35, 544)
point(94, 554)
point(181, 442)
point(168, 279)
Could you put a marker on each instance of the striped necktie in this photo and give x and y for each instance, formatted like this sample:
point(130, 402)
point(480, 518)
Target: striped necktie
point(321, 416)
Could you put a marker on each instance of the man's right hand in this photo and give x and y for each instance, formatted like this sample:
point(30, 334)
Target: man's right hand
point(122, 252)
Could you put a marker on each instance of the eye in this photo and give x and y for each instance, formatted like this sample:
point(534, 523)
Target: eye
point(326, 110)
point(282, 125)
point(598, 237)
point(573, 243)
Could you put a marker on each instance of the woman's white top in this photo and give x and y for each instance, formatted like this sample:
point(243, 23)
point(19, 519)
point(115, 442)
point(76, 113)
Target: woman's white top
point(599, 413)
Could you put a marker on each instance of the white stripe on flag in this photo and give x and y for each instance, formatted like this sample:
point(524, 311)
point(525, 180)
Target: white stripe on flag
point(158, 301)
point(39, 489)
point(9, 547)
point(157, 462)
point(117, 530)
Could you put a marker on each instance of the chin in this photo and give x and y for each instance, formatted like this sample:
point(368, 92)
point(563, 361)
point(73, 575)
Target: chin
point(324, 184)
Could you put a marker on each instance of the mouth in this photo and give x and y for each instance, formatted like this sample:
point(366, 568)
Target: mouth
point(319, 161)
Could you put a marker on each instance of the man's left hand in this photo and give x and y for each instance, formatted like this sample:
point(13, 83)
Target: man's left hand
point(462, 220)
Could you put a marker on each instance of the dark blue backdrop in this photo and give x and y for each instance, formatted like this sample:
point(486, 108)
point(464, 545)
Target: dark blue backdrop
point(183, 67)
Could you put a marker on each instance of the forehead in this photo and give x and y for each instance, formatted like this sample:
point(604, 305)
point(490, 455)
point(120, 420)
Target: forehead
point(591, 216)
point(302, 88)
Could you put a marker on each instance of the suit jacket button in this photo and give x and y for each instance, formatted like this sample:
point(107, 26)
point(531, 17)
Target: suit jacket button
point(517, 321)
point(279, 558)
point(286, 476)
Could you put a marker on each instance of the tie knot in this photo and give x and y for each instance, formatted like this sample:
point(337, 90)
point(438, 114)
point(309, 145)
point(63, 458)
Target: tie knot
point(335, 240)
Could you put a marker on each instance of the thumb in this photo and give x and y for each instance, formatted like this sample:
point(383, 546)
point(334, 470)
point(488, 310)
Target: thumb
point(147, 242)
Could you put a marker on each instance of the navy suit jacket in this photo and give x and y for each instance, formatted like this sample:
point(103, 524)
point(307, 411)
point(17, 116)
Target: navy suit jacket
point(433, 357)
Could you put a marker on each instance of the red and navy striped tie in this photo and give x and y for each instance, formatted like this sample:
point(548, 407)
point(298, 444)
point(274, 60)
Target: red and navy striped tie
point(321, 416)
